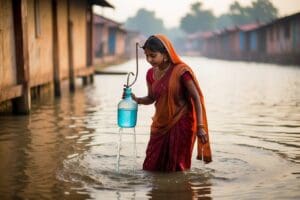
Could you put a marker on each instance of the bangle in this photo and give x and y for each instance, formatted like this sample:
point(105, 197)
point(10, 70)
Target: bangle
point(201, 126)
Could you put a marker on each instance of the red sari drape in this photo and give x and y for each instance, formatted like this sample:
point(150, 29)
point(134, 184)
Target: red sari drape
point(173, 130)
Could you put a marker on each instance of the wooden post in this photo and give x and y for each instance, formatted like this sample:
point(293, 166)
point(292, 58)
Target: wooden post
point(90, 43)
point(22, 104)
point(70, 49)
point(92, 78)
point(56, 66)
point(85, 80)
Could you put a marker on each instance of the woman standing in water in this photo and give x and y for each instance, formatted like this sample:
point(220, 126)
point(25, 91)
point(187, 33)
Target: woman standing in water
point(180, 114)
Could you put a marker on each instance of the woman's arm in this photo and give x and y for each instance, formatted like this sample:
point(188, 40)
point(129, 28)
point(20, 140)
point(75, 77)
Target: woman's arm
point(145, 100)
point(191, 87)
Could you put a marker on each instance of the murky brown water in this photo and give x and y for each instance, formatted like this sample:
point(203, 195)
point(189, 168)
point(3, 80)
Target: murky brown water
point(66, 149)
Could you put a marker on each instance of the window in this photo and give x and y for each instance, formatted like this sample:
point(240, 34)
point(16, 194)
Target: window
point(37, 21)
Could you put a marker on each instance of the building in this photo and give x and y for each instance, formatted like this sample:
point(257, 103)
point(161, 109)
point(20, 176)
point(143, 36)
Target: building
point(43, 42)
point(133, 37)
point(109, 40)
point(282, 40)
point(275, 42)
point(232, 43)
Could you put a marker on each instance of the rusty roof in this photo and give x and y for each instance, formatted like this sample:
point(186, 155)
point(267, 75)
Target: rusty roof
point(249, 27)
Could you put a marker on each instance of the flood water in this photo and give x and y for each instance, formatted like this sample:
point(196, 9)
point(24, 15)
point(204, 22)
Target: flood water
point(67, 147)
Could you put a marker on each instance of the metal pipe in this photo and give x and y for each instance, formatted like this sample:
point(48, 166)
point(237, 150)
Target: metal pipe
point(137, 67)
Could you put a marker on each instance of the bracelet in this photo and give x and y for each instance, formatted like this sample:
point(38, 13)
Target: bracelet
point(200, 125)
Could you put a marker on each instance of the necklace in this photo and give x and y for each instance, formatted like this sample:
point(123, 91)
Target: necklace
point(160, 73)
point(165, 69)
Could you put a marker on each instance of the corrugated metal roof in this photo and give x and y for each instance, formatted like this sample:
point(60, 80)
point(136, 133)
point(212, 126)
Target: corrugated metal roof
point(99, 19)
point(198, 35)
point(249, 27)
point(283, 19)
point(102, 3)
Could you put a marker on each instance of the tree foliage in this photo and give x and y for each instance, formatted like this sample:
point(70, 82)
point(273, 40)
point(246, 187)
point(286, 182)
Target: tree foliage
point(145, 22)
point(198, 20)
point(263, 10)
point(260, 10)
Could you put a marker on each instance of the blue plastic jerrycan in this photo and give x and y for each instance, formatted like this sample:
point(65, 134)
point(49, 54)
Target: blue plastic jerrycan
point(127, 111)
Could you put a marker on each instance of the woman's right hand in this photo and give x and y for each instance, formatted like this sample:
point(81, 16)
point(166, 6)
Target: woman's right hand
point(123, 94)
point(134, 98)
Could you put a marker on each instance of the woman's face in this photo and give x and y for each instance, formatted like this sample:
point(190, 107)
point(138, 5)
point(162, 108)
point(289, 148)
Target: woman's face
point(155, 58)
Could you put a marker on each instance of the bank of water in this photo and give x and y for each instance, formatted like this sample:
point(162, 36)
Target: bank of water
point(67, 147)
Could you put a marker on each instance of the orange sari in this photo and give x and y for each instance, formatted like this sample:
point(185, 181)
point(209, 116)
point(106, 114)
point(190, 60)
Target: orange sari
point(173, 130)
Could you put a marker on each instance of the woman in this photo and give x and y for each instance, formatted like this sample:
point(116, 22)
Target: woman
point(179, 110)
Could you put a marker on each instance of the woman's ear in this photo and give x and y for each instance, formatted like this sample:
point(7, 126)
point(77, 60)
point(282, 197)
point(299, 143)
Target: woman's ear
point(166, 58)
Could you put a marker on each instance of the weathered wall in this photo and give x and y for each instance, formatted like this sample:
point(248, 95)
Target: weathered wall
point(120, 43)
point(7, 45)
point(62, 23)
point(295, 23)
point(78, 17)
point(235, 39)
point(105, 33)
point(277, 40)
point(40, 46)
point(98, 37)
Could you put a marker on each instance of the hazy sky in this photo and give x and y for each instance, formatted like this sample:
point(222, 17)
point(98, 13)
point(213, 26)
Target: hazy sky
point(170, 11)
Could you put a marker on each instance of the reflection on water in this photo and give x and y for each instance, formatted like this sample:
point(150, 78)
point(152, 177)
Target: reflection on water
point(67, 147)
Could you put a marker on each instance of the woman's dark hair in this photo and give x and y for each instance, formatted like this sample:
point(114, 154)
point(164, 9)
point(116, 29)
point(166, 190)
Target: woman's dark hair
point(154, 44)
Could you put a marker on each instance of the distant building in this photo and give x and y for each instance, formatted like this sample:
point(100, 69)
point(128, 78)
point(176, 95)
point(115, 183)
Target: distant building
point(282, 39)
point(132, 38)
point(109, 40)
point(230, 43)
point(194, 44)
point(276, 42)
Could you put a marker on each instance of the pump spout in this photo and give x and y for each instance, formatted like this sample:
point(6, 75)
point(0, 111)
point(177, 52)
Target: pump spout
point(128, 76)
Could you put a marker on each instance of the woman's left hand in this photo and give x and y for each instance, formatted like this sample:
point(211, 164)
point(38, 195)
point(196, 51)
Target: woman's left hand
point(201, 133)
